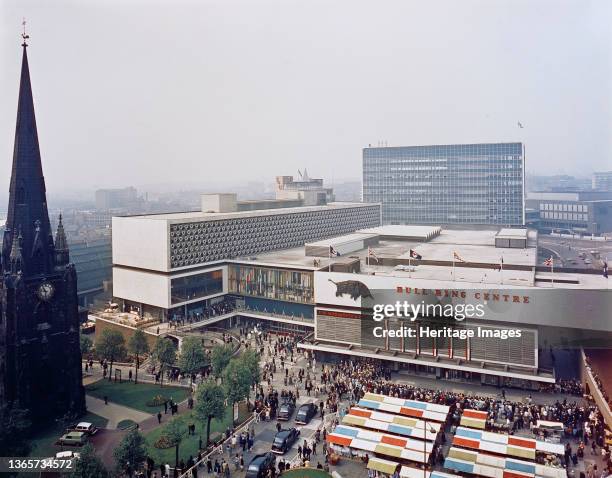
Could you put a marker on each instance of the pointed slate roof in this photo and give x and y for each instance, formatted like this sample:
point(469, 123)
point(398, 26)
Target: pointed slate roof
point(27, 210)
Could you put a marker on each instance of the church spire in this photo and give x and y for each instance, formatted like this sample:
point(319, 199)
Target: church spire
point(62, 255)
point(27, 210)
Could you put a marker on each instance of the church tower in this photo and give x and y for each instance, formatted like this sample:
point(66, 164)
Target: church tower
point(40, 357)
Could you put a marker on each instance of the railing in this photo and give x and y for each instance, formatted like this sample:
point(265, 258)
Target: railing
point(238, 310)
point(219, 448)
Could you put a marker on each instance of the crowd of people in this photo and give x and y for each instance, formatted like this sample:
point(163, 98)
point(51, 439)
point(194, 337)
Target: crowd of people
point(338, 386)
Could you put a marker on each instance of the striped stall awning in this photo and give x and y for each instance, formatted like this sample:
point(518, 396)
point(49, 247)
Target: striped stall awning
point(384, 466)
point(504, 444)
point(490, 466)
point(410, 472)
point(395, 428)
point(388, 445)
point(474, 419)
point(396, 419)
point(410, 408)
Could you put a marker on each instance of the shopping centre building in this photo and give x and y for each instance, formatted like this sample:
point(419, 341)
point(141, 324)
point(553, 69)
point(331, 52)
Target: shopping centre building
point(323, 271)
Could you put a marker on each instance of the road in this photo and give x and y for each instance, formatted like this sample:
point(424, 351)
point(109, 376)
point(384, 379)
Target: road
point(567, 250)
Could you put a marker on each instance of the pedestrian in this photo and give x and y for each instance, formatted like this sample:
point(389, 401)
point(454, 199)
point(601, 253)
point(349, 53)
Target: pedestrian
point(105, 400)
point(159, 416)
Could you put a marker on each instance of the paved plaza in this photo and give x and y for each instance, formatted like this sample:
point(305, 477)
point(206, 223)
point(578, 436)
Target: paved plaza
point(106, 440)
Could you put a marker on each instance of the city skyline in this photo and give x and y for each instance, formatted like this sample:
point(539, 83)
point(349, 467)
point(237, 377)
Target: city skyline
point(176, 86)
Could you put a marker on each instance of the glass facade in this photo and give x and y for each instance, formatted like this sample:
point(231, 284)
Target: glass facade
point(278, 284)
point(446, 184)
point(196, 286)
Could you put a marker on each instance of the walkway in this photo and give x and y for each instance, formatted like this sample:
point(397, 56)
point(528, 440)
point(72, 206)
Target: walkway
point(113, 412)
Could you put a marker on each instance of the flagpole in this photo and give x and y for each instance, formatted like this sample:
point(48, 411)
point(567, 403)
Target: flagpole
point(552, 271)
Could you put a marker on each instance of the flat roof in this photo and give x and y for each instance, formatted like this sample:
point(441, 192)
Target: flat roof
point(196, 216)
point(507, 233)
point(407, 231)
point(357, 236)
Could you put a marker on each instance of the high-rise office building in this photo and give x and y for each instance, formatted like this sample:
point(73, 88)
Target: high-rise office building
point(446, 184)
point(602, 180)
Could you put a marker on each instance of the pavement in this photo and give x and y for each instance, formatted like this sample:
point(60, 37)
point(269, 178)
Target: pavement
point(113, 412)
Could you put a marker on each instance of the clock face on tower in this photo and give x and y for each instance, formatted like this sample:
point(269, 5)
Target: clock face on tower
point(45, 291)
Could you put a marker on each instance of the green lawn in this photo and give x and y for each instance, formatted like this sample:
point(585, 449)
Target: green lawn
point(189, 445)
point(135, 396)
point(43, 440)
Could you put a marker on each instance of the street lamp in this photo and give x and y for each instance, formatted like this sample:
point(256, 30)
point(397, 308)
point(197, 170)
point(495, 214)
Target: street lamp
point(426, 428)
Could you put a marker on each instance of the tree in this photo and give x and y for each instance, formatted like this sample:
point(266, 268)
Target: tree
point(138, 345)
point(192, 357)
point(88, 465)
point(164, 354)
point(15, 426)
point(111, 346)
point(210, 403)
point(131, 451)
point(250, 358)
point(220, 357)
point(174, 432)
point(86, 344)
point(237, 381)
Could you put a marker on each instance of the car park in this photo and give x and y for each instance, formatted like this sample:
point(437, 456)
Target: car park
point(305, 413)
point(260, 464)
point(285, 411)
point(284, 440)
point(73, 438)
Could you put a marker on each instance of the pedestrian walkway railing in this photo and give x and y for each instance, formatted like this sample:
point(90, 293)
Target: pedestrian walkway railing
point(218, 449)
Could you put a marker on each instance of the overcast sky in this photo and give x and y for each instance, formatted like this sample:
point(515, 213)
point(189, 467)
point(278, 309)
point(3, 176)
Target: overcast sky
point(144, 92)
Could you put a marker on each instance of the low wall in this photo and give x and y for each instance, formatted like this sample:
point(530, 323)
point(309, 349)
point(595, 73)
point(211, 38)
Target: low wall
point(126, 330)
point(589, 381)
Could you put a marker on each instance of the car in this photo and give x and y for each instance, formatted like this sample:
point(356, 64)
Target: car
point(85, 427)
point(588, 261)
point(286, 410)
point(67, 455)
point(305, 413)
point(260, 464)
point(284, 440)
point(73, 438)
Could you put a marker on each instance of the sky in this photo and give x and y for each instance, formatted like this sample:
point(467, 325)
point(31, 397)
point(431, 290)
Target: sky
point(135, 92)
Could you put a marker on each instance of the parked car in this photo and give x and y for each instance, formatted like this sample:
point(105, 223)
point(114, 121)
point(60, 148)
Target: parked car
point(286, 410)
point(284, 440)
point(85, 427)
point(305, 413)
point(260, 464)
point(73, 438)
point(67, 455)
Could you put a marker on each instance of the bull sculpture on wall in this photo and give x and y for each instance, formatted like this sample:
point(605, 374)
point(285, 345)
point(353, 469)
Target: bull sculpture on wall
point(352, 288)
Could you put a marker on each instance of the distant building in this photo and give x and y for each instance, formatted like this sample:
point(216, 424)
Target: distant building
point(577, 212)
point(446, 184)
point(93, 262)
point(602, 181)
point(309, 190)
point(107, 199)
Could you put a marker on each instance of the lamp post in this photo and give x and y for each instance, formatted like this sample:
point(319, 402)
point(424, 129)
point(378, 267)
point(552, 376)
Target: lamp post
point(426, 428)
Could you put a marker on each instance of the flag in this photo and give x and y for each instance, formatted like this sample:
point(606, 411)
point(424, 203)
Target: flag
point(457, 257)
point(371, 253)
point(549, 261)
point(333, 252)
point(415, 255)
point(605, 269)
